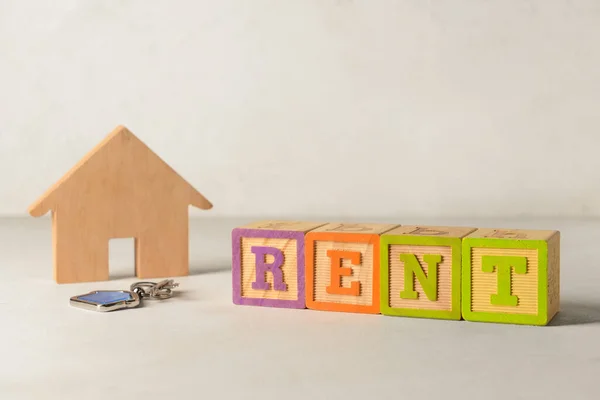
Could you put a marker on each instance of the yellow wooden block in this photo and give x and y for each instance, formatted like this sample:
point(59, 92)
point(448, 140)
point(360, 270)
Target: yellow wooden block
point(511, 276)
point(421, 271)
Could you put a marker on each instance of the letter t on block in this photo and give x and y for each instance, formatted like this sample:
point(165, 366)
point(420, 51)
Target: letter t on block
point(511, 276)
point(342, 267)
point(268, 263)
point(504, 266)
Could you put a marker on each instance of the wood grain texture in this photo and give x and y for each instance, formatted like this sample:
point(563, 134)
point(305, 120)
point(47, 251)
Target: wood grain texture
point(517, 234)
point(511, 279)
point(435, 231)
point(360, 228)
point(365, 273)
point(412, 248)
point(524, 286)
point(290, 244)
point(396, 278)
point(553, 275)
point(119, 189)
point(362, 273)
point(282, 225)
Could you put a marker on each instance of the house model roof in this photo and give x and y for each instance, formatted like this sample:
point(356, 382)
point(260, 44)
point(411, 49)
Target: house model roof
point(112, 156)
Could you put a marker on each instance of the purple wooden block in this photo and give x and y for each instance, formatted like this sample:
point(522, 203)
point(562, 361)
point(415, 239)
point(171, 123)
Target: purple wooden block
point(236, 238)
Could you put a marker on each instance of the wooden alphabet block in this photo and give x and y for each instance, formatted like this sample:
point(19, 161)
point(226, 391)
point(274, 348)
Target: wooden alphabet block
point(421, 271)
point(342, 267)
point(268, 263)
point(511, 276)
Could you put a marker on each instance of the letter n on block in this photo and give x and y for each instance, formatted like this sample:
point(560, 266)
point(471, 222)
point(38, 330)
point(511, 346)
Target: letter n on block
point(511, 276)
point(421, 271)
point(268, 263)
point(342, 267)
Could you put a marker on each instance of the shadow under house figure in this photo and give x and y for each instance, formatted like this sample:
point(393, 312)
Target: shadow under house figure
point(120, 189)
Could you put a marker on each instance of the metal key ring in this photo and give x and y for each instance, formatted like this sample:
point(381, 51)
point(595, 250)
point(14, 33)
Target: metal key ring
point(142, 288)
point(161, 290)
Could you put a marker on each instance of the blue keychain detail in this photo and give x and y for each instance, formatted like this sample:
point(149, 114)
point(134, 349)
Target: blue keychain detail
point(112, 300)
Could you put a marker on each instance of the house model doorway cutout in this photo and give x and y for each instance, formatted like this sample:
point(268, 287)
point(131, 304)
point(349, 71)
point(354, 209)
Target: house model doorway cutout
point(120, 189)
point(121, 258)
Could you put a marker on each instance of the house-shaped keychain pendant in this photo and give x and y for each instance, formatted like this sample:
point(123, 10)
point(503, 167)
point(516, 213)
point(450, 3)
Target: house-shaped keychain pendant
point(121, 189)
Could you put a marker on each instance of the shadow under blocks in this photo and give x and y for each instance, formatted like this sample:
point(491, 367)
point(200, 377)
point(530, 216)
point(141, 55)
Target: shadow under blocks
point(439, 272)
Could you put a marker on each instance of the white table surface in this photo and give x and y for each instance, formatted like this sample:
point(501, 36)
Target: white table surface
point(198, 345)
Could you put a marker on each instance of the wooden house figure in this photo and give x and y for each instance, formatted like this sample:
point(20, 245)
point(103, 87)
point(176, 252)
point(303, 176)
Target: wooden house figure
point(120, 189)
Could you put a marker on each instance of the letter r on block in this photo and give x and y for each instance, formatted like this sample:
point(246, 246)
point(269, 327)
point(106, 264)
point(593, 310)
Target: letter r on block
point(260, 282)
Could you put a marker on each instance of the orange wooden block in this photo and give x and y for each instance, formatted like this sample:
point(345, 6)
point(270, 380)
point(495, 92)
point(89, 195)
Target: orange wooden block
point(119, 189)
point(342, 267)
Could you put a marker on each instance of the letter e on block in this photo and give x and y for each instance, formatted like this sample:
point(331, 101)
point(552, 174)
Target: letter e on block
point(511, 276)
point(268, 263)
point(421, 271)
point(342, 267)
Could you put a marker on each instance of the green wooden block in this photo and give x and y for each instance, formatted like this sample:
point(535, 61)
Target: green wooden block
point(511, 276)
point(421, 271)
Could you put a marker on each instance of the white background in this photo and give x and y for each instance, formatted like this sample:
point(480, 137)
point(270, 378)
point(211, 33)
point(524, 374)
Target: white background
point(311, 108)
